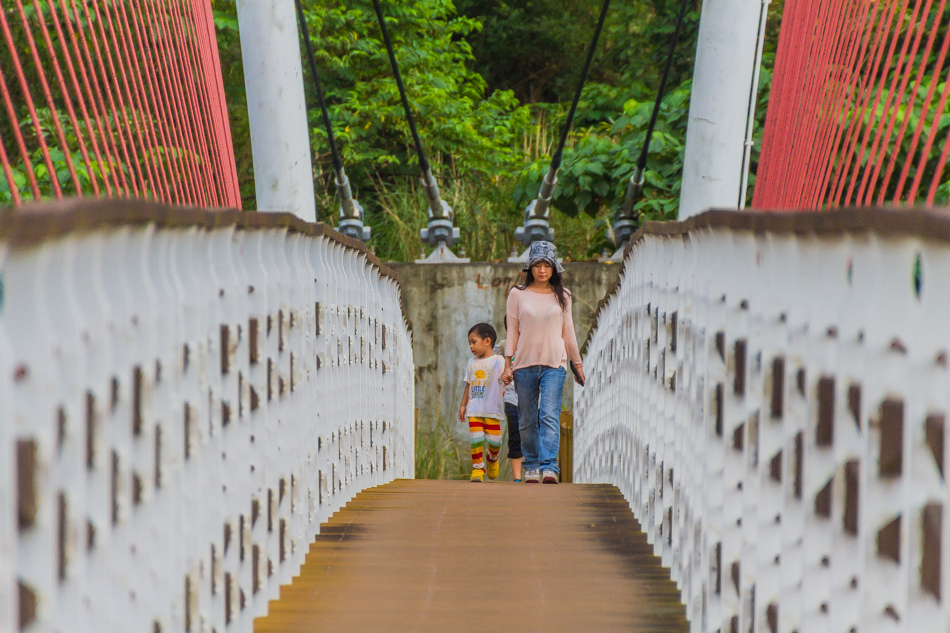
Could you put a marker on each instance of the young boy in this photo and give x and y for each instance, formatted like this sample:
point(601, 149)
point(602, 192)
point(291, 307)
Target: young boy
point(481, 401)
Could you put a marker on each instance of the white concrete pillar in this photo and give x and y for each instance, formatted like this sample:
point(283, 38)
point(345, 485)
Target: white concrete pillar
point(719, 109)
point(276, 107)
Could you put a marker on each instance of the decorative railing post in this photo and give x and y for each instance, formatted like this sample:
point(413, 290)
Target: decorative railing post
point(770, 393)
point(184, 397)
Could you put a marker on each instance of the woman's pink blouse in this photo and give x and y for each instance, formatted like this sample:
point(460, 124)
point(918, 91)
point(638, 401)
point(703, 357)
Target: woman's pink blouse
point(539, 331)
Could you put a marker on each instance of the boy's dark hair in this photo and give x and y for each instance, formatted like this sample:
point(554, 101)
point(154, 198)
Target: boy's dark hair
point(485, 330)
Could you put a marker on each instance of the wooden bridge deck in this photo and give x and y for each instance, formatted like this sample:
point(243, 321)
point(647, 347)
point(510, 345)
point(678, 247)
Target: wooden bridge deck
point(444, 555)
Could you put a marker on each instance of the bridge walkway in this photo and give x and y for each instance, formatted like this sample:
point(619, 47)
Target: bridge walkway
point(417, 555)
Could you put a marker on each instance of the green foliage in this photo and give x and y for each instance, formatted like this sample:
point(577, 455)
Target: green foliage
point(232, 71)
point(602, 158)
point(60, 173)
point(487, 225)
point(464, 130)
point(489, 153)
point(466, 73)
point(905, 155)
point(477, 141)
point(536, 47)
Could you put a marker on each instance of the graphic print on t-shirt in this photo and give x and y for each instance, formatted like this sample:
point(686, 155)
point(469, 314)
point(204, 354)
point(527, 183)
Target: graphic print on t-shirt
point(484, 387)
point(478, 384)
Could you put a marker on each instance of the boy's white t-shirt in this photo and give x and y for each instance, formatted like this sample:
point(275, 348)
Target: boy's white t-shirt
point(483, 376)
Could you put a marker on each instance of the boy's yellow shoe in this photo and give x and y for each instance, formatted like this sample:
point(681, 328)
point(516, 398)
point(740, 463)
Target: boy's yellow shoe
point(492, 469)
point(477, 475)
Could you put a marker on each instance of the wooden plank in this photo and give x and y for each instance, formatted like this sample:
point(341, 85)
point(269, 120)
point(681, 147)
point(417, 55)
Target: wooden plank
point(447, 555)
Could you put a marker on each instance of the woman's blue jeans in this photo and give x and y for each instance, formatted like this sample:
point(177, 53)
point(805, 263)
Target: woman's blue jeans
point(539, 401)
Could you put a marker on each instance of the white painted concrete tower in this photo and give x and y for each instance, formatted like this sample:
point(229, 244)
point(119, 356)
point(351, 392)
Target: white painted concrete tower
point(719, 109)
point(276, 106)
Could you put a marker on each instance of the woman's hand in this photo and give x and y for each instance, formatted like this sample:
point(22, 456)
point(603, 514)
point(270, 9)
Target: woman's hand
point(507, 376)
point(580, 378)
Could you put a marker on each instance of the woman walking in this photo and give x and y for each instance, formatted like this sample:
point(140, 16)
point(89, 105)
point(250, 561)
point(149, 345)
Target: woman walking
point(541, 338)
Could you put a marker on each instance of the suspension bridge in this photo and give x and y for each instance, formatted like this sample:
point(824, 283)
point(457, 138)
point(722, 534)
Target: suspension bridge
point(207, 415)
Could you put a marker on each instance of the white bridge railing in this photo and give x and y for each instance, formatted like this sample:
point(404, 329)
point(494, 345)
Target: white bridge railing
point(184, 397)
point(771, 392)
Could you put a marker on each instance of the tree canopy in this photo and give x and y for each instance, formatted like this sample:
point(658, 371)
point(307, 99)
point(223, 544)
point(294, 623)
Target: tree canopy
point(489, 83)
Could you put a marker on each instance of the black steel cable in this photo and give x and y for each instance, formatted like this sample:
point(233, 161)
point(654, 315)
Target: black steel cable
point(556, 158)
point(625, 223)
point(334, 153)
point(642, 161)
point(423, 163)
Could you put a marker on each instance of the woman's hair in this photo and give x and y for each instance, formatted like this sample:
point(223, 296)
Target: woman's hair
point(560, 292)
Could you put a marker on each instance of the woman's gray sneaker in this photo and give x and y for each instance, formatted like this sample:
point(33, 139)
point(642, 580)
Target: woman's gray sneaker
point(549, 477)
point(532, 476)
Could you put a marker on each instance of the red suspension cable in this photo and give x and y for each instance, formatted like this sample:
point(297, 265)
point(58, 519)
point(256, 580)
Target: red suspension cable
point(8, 173)
point(855, 145)
point(179, 69)
point(57, 71)
point(21, 144)
point(856, 92)
point(915, 32)
point(76, 90)
point(848, 74)
point(874, 154)
point(190, 40)
point(135, 96)
point(133, 27)
point(129, 61)
point(54, 115)
point(941, 58)
point(839, 103)
point(107, 132)
point(179, 110)
point(31, 108)
point(221, 118)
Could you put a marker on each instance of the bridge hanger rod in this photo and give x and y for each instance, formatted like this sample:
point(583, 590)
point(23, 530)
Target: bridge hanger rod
point(625, 224)
point(536, 215)
point(423, 163)
point(440, 231)
point(351, 212)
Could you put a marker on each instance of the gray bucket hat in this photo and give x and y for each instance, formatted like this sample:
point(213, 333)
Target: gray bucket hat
point(543, 251)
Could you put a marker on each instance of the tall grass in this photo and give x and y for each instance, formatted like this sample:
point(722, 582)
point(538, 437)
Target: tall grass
point(439, 455)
